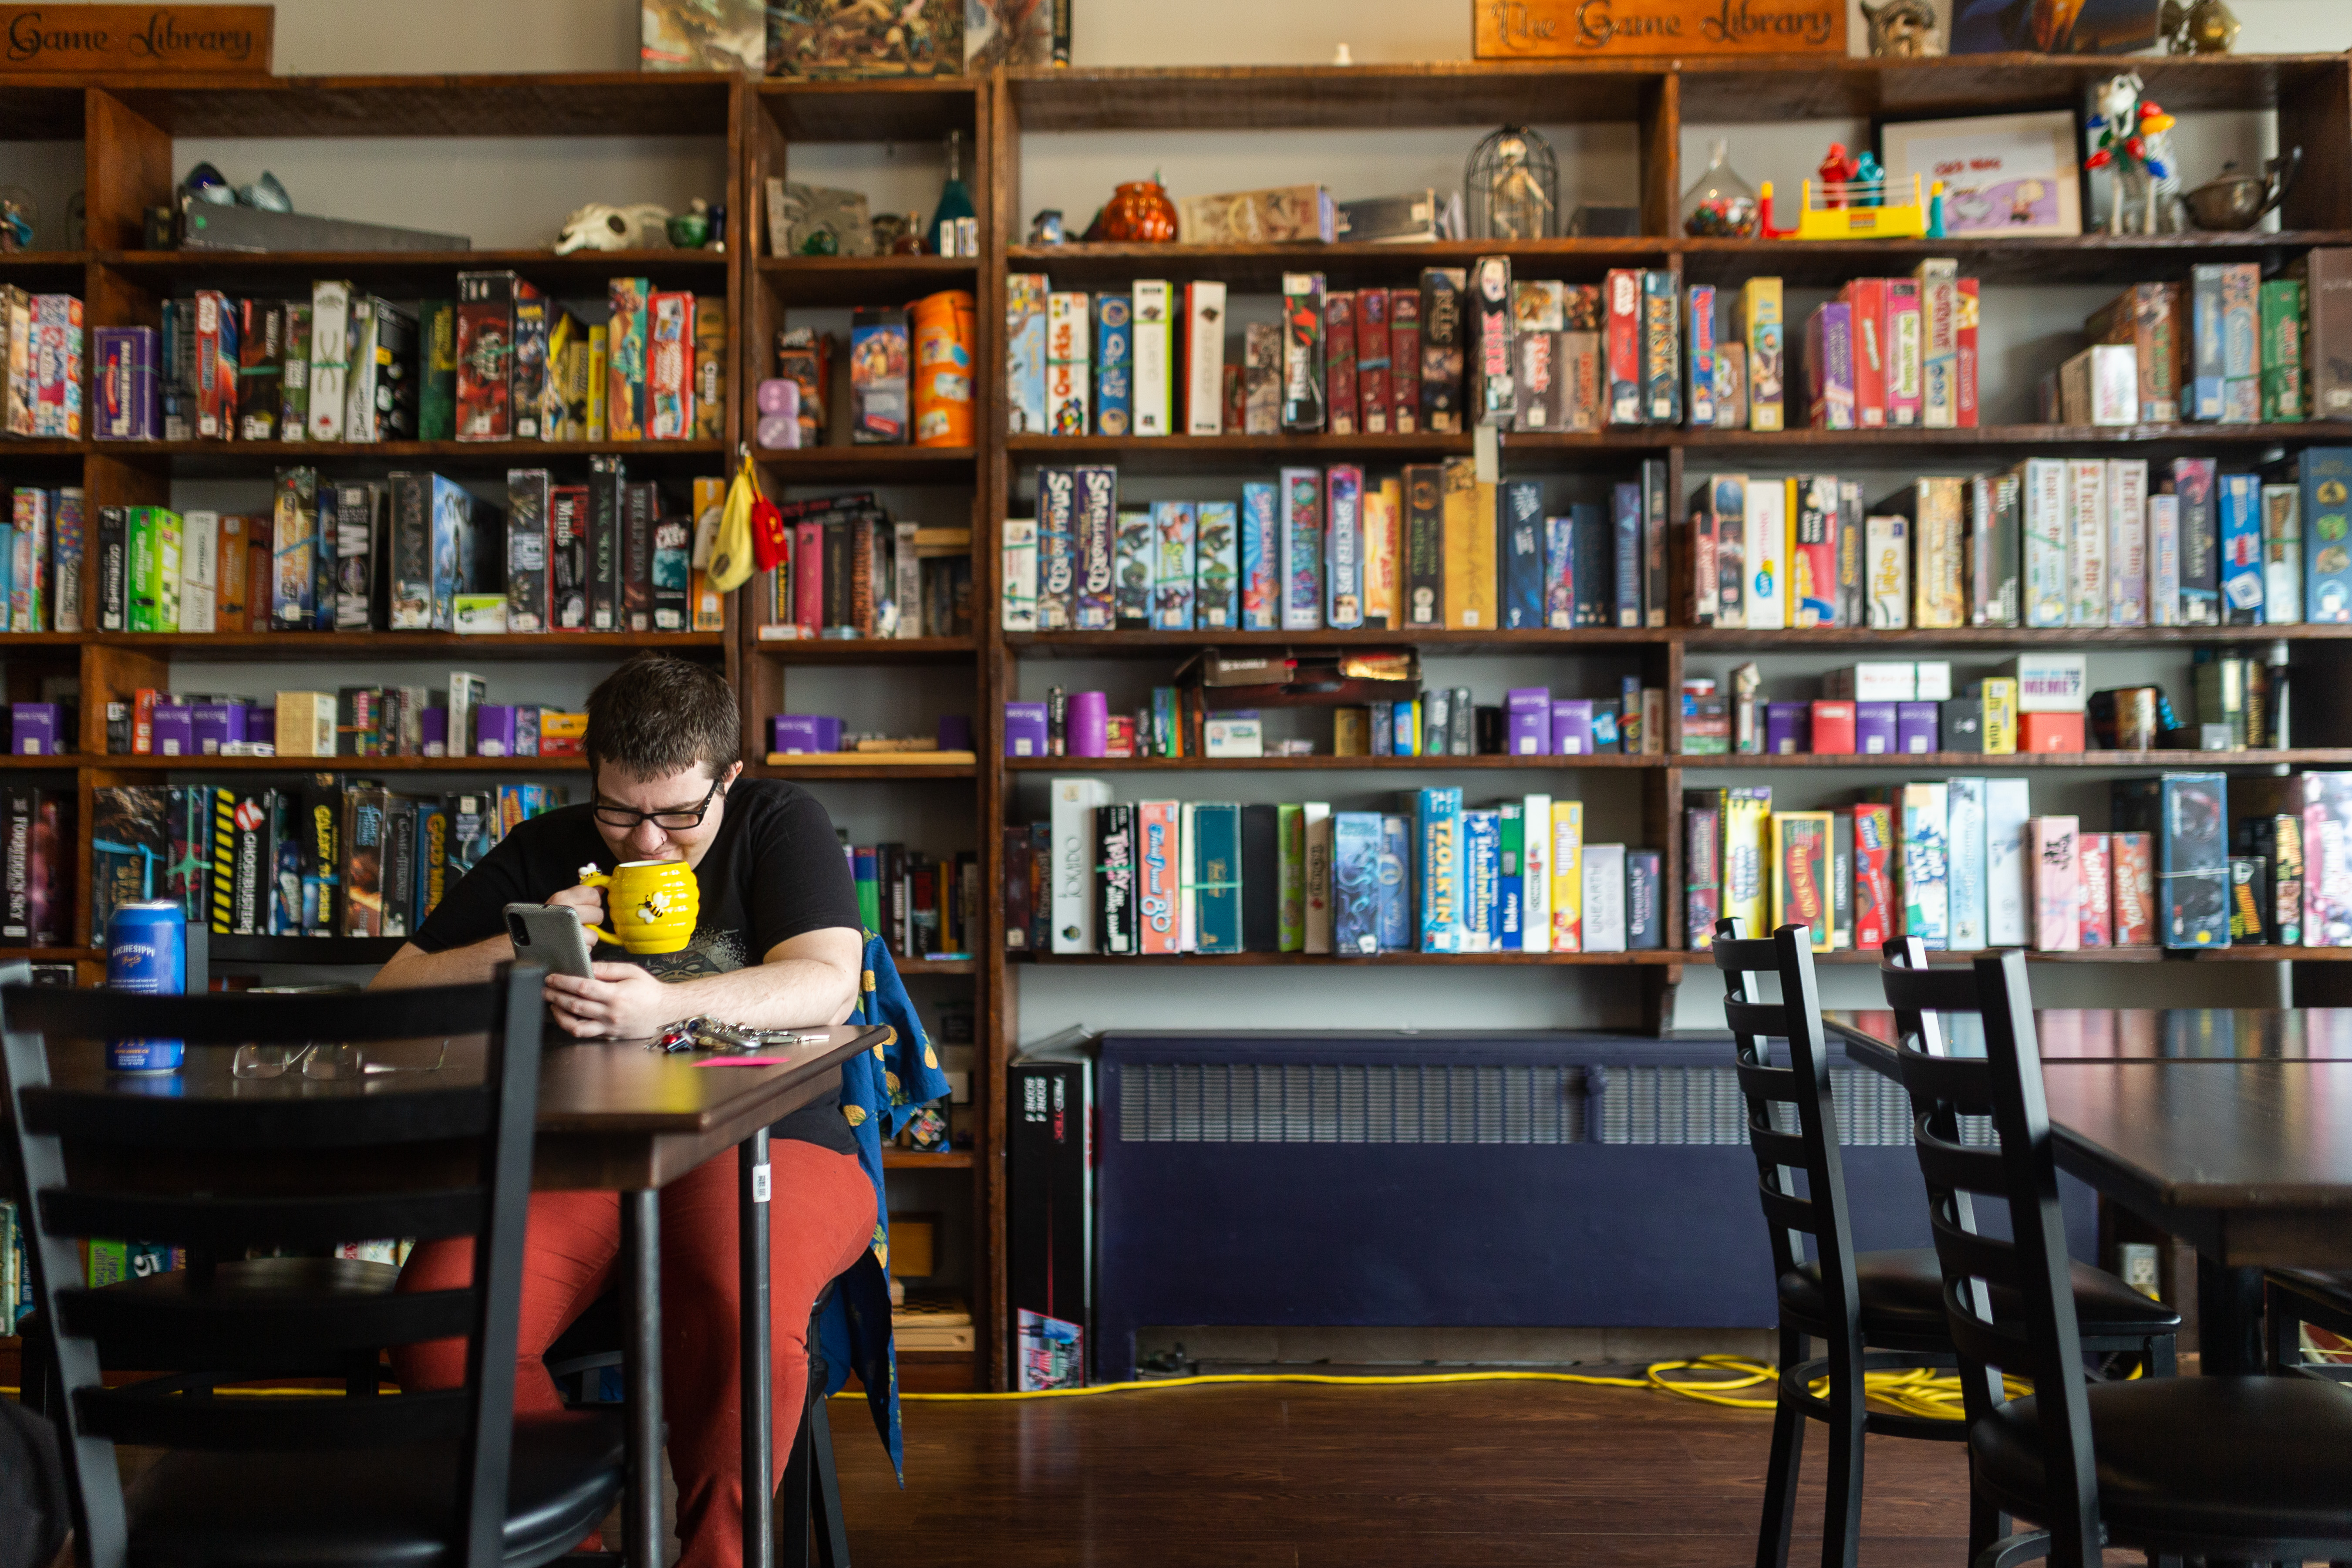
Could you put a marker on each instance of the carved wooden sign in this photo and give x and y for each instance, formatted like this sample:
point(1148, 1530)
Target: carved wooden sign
point(1621, 29)
point(175, 40)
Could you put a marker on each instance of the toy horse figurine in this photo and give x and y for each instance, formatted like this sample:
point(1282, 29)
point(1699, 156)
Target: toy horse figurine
point(2134, 141)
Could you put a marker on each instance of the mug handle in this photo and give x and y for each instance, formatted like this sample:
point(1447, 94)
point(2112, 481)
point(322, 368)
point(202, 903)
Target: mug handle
point(591, 877)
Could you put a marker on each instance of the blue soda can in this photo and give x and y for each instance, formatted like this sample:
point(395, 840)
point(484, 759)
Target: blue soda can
point(146, 953)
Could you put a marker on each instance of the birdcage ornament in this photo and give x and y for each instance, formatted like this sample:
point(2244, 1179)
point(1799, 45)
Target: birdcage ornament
point(1511, 188)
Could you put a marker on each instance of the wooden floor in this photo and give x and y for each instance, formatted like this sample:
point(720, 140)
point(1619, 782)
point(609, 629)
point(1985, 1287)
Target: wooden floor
point(1315, 1476)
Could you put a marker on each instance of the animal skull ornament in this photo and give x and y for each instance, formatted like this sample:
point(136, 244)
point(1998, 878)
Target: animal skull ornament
point(1903, 30)
point(598, 226)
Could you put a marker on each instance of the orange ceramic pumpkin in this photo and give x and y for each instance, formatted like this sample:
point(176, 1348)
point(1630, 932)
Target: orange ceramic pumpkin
point(1139, 213)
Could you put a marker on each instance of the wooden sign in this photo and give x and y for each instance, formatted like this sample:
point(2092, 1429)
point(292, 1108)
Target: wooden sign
point(173, 40)
point(1623, 29)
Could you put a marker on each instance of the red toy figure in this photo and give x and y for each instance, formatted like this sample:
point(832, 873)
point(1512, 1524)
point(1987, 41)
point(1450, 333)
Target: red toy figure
point(1837, 172)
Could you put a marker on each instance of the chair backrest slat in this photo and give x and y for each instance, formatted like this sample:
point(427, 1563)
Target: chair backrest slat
point(222, 1177)
point(2032, 1269)
point(1811, 1146)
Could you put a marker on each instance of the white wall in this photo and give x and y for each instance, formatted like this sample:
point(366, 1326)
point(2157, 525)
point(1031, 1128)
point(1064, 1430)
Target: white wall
point(514, 192)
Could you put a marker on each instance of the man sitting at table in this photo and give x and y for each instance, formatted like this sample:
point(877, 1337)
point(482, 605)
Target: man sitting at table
point(777, 945)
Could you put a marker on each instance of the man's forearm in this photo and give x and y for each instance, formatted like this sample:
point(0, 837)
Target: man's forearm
point(783, 993)
point(468, 965)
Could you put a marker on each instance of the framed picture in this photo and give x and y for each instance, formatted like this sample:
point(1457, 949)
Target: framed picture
point(2053, 26)
point(2014, 174)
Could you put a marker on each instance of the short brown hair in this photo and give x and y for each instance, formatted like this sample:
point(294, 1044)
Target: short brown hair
point(658, 715)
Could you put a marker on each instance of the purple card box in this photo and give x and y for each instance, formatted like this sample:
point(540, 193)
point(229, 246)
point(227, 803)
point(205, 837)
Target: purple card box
point(1571, 728)
point(175, 733)
point(261, 724)
point(1873, 728)
point(493, 730)
point(124, 386)
point(806, 732)
point(211, 723)
point(436, 729)
point(33, 728)
point(1024, 729)
point(1526, 717)
point(1787, 728)
point(955, 732)
point(1916, 730)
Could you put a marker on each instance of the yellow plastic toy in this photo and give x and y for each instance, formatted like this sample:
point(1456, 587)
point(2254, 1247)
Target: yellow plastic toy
point(1849, 222)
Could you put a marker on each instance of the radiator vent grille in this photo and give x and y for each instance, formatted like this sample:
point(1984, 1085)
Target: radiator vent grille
point(1244, 1102)
point(1429, 1103)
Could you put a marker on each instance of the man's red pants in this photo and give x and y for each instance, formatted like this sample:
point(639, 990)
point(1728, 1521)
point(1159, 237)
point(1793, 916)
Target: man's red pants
point(820, 1218)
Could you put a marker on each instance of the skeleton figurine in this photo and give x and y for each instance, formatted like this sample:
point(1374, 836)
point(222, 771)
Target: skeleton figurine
point(1519, 208)
point(2134, 141)
point(1902, 29)
point(597, 226)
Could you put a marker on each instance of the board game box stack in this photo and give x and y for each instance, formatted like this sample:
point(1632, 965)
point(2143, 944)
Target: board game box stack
point(1420, 874)
point(43, 391)
point(2190, 861)
point(851, 571)
point(414, 552)
point(500, 361)
point(2047, 543)
point(316, 855)
point(1333, 549)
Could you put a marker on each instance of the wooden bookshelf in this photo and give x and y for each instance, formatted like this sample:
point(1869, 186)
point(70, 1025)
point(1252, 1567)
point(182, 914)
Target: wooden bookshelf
point(129, 130)
point(951, 673)
point(2310, 97)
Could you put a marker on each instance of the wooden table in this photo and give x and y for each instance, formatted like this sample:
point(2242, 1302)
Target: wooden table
point(2231, 1129)
point(613, 1116)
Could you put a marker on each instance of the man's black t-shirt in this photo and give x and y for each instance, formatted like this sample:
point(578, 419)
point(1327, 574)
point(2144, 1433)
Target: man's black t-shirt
point(773, 870)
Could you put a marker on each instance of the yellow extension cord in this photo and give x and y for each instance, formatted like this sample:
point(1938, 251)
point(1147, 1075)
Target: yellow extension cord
point(1914, 1391)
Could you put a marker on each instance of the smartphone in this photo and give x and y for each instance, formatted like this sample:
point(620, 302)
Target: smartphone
point(549, 934)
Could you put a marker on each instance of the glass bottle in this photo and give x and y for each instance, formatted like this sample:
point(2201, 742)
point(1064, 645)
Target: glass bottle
point(955, 199)
point(1720, 204)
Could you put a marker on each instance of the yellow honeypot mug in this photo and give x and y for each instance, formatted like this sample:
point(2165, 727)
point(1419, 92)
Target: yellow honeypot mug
point(653, 904)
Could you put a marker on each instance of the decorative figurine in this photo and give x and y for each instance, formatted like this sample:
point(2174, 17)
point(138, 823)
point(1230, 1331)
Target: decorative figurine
point(2199, 27)
point(2134, 141)
point(598, 226)
point(1720, 204)
point(888, 229)
point(717, 238)
point(207, 183)
point(1513, 186)
point(911, 236)
point(264, 195)
point(1837, 172)
point(1869, 181)
point(1138, 213)
point(1936, 210)
point(1046, 228)
point(1903, 30)
point(16, 219)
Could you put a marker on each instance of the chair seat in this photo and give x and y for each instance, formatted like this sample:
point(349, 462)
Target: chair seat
point(2256, 1458)
point(383, 1510)
point(1903, 1293)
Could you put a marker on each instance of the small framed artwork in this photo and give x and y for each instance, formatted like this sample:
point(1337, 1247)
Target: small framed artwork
point(2015, 175)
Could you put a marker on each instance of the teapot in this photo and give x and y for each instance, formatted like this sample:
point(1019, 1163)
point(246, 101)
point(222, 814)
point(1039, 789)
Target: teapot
point(2232, 201)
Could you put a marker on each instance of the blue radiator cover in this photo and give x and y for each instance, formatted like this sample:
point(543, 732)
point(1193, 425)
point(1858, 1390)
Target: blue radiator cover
point(1269, 1199)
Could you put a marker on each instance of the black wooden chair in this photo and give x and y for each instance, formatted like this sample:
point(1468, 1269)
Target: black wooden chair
point(1873, 1312)
point(810, 1528)
point(2223, 1468)
point(350, 1478)
point(2294, 1297)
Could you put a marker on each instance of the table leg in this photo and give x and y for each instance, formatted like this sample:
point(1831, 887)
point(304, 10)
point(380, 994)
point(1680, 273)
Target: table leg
point(2229, 1320)
point(759, 1416)
point(641, 1358)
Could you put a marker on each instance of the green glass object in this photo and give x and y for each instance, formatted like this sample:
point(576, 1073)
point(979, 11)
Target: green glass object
point(821, 243)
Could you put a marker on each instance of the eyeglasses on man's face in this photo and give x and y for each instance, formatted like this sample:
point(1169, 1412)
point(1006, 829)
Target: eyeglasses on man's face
point(672, 819)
